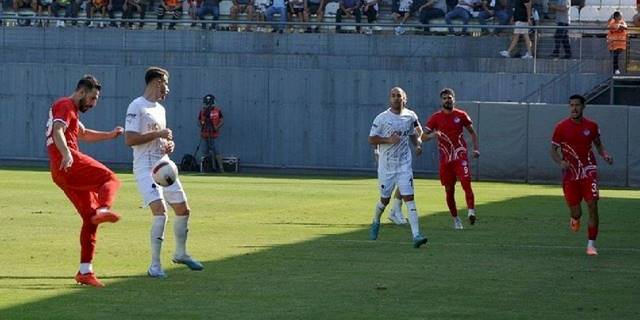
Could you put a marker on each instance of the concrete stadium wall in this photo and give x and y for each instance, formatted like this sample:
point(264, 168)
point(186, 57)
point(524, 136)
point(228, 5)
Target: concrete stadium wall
point(289, 101)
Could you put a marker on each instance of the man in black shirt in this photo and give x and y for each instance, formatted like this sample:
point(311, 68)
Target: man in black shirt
point(522, 19)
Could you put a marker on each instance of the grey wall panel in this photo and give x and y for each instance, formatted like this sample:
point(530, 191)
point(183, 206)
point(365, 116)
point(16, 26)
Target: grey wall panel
point(542, 121)
point(633, 146)
point(613, 124)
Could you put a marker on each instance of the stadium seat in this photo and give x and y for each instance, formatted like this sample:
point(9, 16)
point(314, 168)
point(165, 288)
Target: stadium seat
point(590, 14)
point(594, 3)
point(225, 7)
point(574, 13)
point(331, 9)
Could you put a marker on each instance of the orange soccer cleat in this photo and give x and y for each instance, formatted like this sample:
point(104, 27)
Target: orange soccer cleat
point(107, 216)
point(592, 251)
point(574, 224)
point(88, 279)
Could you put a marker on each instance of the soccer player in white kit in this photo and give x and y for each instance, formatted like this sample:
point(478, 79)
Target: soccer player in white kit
point(147, 134)
point(391, 131)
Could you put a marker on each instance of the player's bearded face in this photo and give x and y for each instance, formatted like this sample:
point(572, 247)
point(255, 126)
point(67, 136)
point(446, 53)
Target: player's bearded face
point(398, 99)
point(575, 108)
point(447, 101)
point(88, 100)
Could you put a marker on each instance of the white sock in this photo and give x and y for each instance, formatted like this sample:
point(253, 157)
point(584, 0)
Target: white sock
point(413, 217)
point(180, 231)
point(472, 212)
point(86, 268)
point(591, 243)
point(102, 210)
point(378, 212)
point(157, 235)
point(397, 206)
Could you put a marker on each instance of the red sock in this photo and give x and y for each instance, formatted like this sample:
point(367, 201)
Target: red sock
point(593, 232)
point(451, 201)
point(87, 241)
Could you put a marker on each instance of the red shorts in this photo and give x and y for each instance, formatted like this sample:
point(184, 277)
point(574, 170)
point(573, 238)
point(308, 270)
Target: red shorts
point(457, 168)
point(82, 181)
point(577, 190)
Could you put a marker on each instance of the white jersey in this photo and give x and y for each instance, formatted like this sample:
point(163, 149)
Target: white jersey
point(394, 158)
point(144, 116)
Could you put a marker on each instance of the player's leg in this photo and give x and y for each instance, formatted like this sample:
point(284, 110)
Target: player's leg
point(177, 199)
point(405, 185)
point(448, 180)
point(395, 214)
point(573, 197)
point(591, 196)
point(464, 175)
point(386, 184)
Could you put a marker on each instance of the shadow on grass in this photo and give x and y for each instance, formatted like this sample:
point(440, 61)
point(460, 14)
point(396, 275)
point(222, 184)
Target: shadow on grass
point(519, 261)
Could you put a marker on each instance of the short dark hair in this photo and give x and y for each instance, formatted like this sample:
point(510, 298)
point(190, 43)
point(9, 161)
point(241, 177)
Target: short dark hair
point(153, 73)
point(578, 97)
point(89, 82)
point(447, 91)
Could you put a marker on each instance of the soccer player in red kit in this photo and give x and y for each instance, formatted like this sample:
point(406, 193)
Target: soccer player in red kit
point(571, 150)
point(88, 184)
point(447, 124)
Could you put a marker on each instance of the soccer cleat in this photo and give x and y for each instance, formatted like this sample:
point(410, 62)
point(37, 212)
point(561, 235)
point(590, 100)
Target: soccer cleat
point(397, 217)
point(373, 232)
point(472, 218)
point(419, 240)
point(189, 262)
point(505, 54)
point(574, 224)
point(527, 56)
point(457, 224)
point(88, 279)
point(103, 217)
point(156, 272)
point(592, 251)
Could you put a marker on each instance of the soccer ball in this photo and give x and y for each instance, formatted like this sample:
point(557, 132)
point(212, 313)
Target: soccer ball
point(164, 172)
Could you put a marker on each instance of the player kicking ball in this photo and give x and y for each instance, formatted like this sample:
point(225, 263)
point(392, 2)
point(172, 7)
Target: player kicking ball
point(571, 150)
point(391, 131)
point(447, 125)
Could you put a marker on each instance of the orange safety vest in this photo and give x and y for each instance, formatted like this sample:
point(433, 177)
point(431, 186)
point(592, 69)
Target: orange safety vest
point(616, 37)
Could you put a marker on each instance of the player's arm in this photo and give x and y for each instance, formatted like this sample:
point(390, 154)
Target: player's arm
point(474, 140)
point(393, 139)
point(132, 138)
point(556, 156)
point(61, 144)
point(89, 135)
point(601, 150)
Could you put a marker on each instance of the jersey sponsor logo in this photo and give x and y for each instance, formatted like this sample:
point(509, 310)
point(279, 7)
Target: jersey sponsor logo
point(131, 117)
point(456, 120)
point(464, 163)
point(586, 132)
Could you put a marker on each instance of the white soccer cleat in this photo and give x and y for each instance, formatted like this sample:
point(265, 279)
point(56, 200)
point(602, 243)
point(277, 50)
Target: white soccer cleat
point(156, 272)
point(457, 224)
point(397, 217)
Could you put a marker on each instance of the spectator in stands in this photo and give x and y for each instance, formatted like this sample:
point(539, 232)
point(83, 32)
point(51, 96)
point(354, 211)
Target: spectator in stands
point(540, 9)
point(24, 4)
point(636, 17)
point(69, 10)
point(463, 11)
point(316, 7)
point(349, 8)
point(522, 19)
point(242, 6)
point(131, 6)
point(616, 39)
point(100, 6)
point(279, 7)
point(500, 10)
point(211, 121)
point(209, 7)
point(298, 8)
point(42, 5)
point(401, 14)
point(370, 9)
point(427, 10)
point(113, 7)
point(561, 8)
point(194, 5)
point(171, 7)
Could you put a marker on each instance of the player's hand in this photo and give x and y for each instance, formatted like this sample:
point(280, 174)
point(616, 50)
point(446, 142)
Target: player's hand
point(117, 131)
point(608, 159)
point(394, 138)
point(476, 154)
point(169, 146)
point(166, 134)
point(66, 162)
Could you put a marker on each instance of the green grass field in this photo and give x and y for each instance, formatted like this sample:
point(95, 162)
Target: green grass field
point(298, 248)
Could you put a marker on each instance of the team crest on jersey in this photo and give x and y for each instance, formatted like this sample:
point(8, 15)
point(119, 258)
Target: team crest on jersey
point(456, 120)
point(586, 132)
point(464, 163)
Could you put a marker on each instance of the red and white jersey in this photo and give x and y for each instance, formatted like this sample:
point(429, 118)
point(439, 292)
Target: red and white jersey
point(63, 110)
point(145, 116)
point(394, 158)
point(451, 142)
point(575, 140)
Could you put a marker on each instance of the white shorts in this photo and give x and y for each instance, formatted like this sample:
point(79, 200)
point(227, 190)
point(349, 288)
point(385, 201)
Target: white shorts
point(150, 191)
point(388, 181)
point(521, 27)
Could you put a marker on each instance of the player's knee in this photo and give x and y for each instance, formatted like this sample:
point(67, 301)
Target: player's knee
point(407, 198)
point(385, 201)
